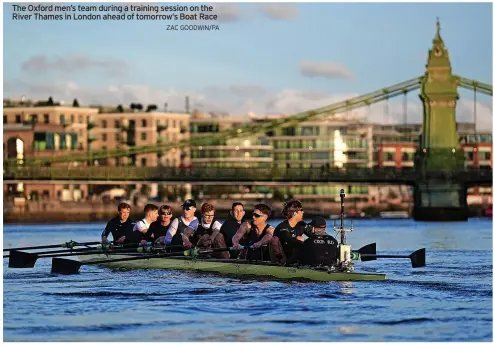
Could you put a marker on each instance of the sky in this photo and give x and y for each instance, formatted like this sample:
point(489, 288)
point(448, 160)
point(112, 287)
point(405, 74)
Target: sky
point(265, 58)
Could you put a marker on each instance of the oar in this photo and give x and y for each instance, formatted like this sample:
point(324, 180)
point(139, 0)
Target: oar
point(66, 266)
point(417, 257)
point(53, 251)
point(18, 259)
point(70, 244)
point(367, 249)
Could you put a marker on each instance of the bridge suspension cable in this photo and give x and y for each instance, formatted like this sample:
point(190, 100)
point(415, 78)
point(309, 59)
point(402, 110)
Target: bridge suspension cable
point(248, 129)
point(475, 85)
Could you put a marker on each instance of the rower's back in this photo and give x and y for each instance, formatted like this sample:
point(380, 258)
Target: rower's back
point(319, 249)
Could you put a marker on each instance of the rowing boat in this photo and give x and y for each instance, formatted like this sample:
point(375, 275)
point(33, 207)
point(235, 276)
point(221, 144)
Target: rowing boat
point(233, 267)
point(149, 256)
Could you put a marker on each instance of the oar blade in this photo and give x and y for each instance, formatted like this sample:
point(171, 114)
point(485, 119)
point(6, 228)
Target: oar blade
point(18, 259)
point(368, 249)
point(65, 266)
point(418, 258)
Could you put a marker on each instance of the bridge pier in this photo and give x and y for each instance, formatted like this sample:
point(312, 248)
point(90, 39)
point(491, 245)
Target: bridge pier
point(436, 200)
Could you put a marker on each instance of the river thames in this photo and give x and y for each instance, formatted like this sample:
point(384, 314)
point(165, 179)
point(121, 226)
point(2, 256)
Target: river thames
point(448, 300)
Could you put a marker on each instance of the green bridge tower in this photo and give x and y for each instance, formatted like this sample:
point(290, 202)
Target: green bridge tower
point(439, 148)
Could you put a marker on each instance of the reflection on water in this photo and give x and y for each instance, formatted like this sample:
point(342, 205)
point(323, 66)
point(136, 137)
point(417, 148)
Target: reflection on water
point(445, 301)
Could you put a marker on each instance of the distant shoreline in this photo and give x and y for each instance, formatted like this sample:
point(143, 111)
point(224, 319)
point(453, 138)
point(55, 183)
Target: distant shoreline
point(103, 214)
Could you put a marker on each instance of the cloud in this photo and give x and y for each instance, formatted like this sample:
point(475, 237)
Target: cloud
point(247, 91)
point(75, 63)
point(238, 100)
point(324, 69)
point(279, 11)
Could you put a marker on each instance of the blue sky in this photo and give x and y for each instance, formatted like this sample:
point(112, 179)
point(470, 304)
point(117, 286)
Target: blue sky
point(253, 63)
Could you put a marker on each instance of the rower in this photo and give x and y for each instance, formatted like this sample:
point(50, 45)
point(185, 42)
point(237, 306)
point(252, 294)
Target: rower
point(120, 226)
point(142, 226)
point(158, 229)
point(207, 232)
point(232, 223)
point(288, 236)
point(182, 227)
point(320, 248)
point(255, 233)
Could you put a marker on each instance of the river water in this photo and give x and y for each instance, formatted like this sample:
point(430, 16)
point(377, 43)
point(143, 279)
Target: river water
point(448, 300)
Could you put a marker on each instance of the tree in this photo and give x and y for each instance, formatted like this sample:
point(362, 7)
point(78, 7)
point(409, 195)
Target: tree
point(151, 107)
point(50, 101)
point(139, 106)
point(75, 104)
point(120, 108)
point(133, 106)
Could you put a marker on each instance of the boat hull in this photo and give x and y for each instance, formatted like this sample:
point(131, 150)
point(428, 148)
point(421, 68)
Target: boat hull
point(233, 267)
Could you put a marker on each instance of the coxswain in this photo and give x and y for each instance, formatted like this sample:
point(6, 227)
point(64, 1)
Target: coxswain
point(207, 232)
point(320, 249)
point(182, 227)
point(255, 233)
point(120, 226)
point(158, 229)
point(288, 236)
point(142, 226)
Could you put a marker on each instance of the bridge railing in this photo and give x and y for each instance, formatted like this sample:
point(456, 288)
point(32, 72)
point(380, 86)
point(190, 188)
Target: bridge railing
point(157, 174)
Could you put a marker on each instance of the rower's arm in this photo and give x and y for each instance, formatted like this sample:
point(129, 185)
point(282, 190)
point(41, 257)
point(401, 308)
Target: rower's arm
point(216, 230)
point(172, 230)
point(266, 238)
point(240, 233)
point(284, 236)
point(188, 231)
point(105, 233)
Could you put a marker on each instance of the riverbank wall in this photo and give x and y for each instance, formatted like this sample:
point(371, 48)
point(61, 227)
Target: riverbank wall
point(97, 211)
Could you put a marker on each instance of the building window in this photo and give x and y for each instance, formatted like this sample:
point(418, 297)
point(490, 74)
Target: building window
point(389, 156)
point(143, 162)
point(103, 124)
point(117, 137)
point(103, 137)
point(405, 157)
point(80, 119)
point(34, 118)
point(143, 136)
point(18, 119)
point(144, 123)
point(46, 118)
point(4, 119)
point(117, 124)
point(470, 156)
point(72, 118)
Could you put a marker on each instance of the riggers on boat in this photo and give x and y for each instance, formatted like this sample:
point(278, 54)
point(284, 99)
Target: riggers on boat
point(125, 257)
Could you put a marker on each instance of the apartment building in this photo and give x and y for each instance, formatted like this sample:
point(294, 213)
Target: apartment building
point(127, 129)
point(46, 129)
point(244, 152)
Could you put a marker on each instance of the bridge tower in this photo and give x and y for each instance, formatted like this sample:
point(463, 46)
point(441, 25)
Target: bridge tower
point(439, 148)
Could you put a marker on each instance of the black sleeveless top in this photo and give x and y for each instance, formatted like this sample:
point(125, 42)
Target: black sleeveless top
point(252, 237)
point(177, 238)
point(200, 231)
